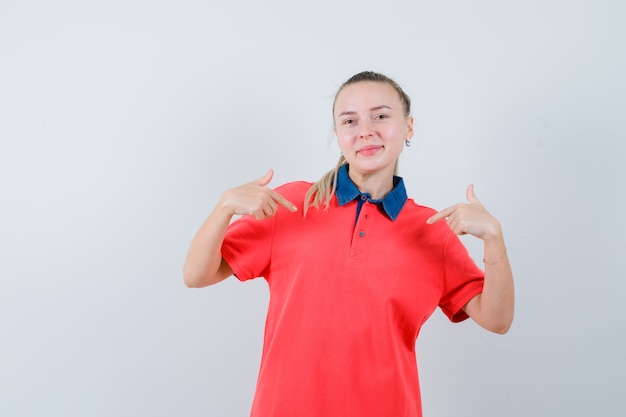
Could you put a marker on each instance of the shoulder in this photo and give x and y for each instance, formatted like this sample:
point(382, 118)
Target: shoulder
point(295, 187)
point(416, 215)
point(417, 209)
point(294, 191)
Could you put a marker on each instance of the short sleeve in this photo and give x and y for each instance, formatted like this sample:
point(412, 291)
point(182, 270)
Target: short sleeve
point(463, 279)
point(247, 246)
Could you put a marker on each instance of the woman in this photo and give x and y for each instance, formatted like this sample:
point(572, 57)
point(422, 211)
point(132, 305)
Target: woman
point(354, 268)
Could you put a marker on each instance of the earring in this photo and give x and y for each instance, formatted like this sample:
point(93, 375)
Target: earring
point(407, 142)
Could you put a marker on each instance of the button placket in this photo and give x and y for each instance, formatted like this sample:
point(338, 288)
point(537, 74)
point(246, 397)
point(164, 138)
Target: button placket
point(361, 232)
point(362, 223)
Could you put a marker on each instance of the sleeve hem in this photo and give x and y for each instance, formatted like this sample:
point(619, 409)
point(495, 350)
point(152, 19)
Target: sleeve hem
point(456, 314)
point(230, 260)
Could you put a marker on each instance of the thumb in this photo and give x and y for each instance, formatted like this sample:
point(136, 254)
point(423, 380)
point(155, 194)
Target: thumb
point(265, 179)
point(471, 197)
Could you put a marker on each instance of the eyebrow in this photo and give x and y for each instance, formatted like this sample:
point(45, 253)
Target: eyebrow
point(347, 113)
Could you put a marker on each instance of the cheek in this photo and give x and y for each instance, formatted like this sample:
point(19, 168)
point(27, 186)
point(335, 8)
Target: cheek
point(343, 140)
point(397, 132)
point(395, 140)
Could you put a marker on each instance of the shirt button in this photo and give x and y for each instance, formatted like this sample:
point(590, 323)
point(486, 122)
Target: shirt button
point(363, 197)
point(361, 233)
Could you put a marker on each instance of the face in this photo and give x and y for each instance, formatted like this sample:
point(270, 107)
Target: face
point(371, 127)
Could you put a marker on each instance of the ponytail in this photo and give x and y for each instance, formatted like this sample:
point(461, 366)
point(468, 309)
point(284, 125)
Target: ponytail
point(320, 193)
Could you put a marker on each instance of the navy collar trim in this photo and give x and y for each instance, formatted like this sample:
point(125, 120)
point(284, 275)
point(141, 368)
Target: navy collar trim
point(391, 204)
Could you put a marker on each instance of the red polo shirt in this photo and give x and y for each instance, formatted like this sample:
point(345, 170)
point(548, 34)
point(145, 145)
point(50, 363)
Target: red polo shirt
point(347, 302)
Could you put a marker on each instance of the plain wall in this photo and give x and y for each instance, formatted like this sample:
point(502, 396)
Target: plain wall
point(122, 122)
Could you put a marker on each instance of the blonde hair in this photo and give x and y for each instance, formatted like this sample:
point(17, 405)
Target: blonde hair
point(322, 192)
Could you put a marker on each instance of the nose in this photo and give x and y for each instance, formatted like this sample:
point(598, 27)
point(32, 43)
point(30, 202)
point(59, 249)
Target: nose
point(366, 129)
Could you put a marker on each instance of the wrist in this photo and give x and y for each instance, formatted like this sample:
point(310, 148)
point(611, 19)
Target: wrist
point(223, 210)
point(493, 261)
point(494, 234)
point(494, 248)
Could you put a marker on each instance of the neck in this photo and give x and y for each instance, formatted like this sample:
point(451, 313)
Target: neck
point(377, 185)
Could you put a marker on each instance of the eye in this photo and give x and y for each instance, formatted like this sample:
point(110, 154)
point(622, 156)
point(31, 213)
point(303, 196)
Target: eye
point(381, 117)
point(348, 121)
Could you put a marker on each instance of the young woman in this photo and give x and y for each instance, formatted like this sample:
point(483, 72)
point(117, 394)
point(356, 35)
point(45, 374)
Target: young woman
point(354, 268)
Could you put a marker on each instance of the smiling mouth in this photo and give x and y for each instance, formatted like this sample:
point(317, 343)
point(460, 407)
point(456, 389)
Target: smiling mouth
point(369, 150)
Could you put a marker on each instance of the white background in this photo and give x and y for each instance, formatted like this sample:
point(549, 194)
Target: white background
point(121, 123)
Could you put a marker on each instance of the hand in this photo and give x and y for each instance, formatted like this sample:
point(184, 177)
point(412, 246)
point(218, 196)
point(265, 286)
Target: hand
point(469, 218)
point(255, 199)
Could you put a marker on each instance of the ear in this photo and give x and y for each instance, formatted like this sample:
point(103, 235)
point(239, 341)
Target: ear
point(409, 127)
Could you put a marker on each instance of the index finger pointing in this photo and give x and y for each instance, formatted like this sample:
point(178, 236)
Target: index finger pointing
point(440, 215)
point(284, 202)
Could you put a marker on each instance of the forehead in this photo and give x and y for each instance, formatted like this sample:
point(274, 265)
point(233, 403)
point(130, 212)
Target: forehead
point(365, 95)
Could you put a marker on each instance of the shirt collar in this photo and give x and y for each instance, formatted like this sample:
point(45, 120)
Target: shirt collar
point(391, 204)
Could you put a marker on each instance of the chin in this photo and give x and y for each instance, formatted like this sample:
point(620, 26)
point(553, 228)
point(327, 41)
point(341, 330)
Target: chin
point(371, 168)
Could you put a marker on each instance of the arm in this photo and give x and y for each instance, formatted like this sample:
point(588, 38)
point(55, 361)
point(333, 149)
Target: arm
point(493, 308)
point(204, 264)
